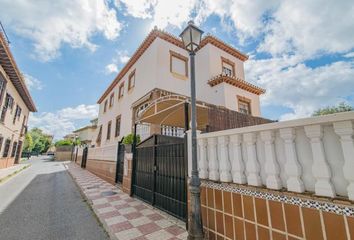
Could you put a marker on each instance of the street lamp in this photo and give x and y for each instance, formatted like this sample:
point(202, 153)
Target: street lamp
point(191, 37)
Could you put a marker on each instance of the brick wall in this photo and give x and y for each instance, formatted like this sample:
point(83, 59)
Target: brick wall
point(231, 212)
point(103, 169)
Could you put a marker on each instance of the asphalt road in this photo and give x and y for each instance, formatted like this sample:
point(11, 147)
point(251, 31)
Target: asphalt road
point(43, 202)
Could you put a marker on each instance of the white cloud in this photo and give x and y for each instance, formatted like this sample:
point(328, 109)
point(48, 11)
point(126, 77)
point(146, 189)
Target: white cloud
point(32, 82)
point(64, 121)
point(51, 24)
point(137, 8)
point(111, 68)
point(121, 58)
point(303, 89)
point(310, 27)
point(349, 55)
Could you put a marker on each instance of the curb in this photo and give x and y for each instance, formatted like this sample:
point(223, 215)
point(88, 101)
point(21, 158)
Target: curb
point(89, 203)
point(4, 179)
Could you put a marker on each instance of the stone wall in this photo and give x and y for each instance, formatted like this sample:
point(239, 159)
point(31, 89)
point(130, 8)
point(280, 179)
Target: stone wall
point(103, 169)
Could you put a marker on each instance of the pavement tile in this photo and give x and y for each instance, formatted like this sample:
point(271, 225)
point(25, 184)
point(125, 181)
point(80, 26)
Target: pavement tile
point(126, 217)
point(129, 234)
point(106, 210)
point(114, 220)
point(133, 215)
point(159, 235)
point(118, 227)
point(148, 228)
point(140, 221)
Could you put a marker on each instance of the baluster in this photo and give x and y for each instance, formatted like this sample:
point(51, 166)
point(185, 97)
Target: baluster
point(252, 165)
point(292, 165)
point(213, 160)
point(271, 165)
point(237, 165)
point(203, 162)
point(345, 131)
point(225, 166)
point(320, 167)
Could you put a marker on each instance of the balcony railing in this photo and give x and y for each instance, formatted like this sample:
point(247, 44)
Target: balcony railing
point(304, 155)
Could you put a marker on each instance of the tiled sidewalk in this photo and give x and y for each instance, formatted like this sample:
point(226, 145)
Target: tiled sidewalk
point(123, 217)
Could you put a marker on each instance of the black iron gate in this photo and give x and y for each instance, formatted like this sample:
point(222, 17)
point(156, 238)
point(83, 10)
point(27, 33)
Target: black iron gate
point(120, 162)
point(160, 174)
point(84, 157)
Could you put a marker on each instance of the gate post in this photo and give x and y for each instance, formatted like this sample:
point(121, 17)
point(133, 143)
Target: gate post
point(127, 173)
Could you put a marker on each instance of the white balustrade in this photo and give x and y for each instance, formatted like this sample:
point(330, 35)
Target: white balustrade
point(213, 160)
point(292, 165)
point(320, 167)
point(225, 166)
point(237, 164)
point(271, 165)
point(345, 131)
point(252, 165)
point(203, 162)
point(300, 155)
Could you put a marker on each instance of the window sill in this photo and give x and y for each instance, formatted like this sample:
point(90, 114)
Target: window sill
point(179, 76)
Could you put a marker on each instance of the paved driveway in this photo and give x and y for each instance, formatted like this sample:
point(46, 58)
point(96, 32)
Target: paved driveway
point(42, 202)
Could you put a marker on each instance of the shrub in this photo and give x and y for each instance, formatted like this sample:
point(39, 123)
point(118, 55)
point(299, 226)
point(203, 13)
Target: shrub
point(129, 139)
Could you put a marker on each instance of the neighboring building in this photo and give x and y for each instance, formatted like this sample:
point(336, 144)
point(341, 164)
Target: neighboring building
point(159, 69)
point(87, 134)
point(15, 105)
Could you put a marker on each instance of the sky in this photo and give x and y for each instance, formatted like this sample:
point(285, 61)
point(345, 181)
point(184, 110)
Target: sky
point(69, 51)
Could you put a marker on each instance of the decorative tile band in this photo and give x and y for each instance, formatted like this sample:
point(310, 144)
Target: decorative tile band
point(308, 203)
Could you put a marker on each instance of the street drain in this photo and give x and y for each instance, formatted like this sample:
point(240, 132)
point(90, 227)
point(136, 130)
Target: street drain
point(108, 193)
point(92, 187)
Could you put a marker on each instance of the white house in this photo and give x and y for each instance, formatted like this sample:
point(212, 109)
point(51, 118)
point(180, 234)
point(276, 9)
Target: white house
point(159, 69)
point(15, 105)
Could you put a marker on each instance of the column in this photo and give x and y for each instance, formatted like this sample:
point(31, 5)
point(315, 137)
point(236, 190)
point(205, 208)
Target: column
point(292, 165)
point(225, 166)
point(345, 132)
point(213, 160)
point(203, 162)
point(320, 167)
point(252, 165)
point(237, 165)
point(271, 165)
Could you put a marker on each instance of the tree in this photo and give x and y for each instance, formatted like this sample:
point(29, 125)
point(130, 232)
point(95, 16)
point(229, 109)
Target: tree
point(67, 142)
point(28, 144)
point(40, 141)
point(341, 107)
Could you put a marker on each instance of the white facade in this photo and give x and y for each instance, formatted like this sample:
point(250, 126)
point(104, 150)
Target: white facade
point(11, 129)
point(153, 71)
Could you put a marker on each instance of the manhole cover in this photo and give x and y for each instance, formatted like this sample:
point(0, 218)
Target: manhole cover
point(108, 193)
point(92, 187)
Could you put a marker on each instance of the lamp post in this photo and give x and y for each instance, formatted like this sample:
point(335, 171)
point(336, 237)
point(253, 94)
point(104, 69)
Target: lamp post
point(191, 37)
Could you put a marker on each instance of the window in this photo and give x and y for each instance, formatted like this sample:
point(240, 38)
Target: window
point(6, 148)
point(14, 146)
point(9, 102)
point(178, 64)
point(121, 91)
point(111, 100)
point(117, 131)
point(228, 67)
point(2, 88)
point(17, 114)
point(244, 105)
point(109, 130)
point(131, 82)
point(105, 106)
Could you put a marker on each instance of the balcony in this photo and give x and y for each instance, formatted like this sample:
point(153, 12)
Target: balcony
point(236, 82)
